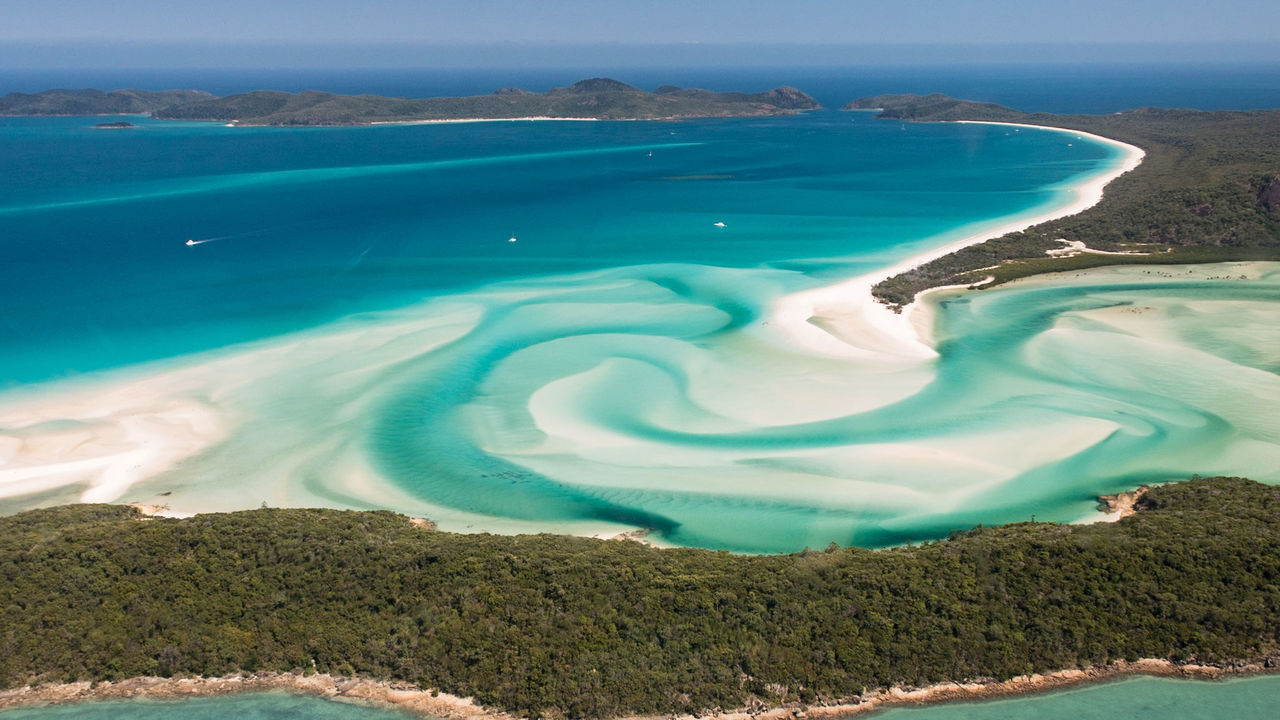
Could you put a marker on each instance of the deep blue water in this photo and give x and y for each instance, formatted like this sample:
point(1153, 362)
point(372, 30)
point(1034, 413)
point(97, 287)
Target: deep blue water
point(314, 224)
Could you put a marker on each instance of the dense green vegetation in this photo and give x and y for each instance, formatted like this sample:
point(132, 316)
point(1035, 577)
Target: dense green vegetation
point(560, 626)
point(95, 102)
point(1207, 191)
point(595, 98)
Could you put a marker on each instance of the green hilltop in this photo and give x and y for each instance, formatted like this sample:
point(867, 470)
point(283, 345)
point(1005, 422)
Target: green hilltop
point(563, 627)
point(96, 102)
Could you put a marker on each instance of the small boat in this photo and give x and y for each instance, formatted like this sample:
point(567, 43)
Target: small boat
point(511, 239)
point(190, 242)
point(719, 224)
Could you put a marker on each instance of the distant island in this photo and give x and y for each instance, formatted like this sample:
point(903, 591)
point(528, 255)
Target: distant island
point(1207, 191)
point(96, 102)
point(596, 98)
point(115, 125)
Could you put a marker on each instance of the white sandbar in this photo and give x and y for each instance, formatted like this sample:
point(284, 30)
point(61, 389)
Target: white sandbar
point(866, 328)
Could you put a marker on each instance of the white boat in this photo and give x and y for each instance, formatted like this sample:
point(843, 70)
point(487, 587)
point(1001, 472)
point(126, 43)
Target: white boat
point(719, 224)
point(511, 239)
point(190, 242)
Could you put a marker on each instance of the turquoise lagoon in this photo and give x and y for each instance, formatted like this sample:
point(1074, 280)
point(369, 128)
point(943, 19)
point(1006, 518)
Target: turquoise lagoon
point(1245, 699)
point(354, 327)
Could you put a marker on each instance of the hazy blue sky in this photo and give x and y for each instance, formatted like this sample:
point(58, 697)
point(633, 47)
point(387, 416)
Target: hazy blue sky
point(83, 28)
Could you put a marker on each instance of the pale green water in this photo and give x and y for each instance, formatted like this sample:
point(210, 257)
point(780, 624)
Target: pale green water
point(1140, 698)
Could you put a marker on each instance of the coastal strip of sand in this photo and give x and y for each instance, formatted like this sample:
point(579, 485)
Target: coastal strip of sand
point(844, 320)
point(407, 697)
point(531, 118)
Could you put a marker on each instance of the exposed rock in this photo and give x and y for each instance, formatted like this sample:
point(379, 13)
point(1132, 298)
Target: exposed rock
point(1269, 196)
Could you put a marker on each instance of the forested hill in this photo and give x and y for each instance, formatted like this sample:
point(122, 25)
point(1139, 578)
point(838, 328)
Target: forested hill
point(551, 626)
point(96, 102)
point(595, 98)
point(1208, 190)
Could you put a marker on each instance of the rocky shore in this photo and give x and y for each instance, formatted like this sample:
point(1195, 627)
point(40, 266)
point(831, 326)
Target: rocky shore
point(431, 703)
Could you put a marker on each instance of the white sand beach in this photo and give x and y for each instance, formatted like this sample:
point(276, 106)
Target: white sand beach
point(844, 320)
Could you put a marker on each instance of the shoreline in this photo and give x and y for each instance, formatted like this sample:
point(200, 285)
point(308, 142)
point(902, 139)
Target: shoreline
point(379, 123)
point(406, 697)
point(877, 328)
point(447, 121)
point(531, 118)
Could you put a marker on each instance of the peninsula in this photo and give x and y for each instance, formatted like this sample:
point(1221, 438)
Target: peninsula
point(561, 627)
point(594, 99)
point(1208, 190)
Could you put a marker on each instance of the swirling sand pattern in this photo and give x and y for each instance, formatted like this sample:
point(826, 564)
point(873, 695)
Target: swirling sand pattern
point(668, 396)
point(1043, 397)
point(658, 398)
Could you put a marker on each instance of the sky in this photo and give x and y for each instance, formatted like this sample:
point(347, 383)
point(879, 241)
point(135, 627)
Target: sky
point(398, 32)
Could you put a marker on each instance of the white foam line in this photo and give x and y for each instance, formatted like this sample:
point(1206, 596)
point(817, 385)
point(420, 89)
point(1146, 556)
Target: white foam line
point(870, 328)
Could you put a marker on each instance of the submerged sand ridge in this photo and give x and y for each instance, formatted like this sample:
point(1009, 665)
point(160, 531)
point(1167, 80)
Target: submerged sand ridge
point(1046, 393)
point(701, 404)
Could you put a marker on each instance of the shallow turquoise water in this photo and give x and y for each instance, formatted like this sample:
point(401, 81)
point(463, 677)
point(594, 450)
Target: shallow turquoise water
point(1248, 699)
point(250, 706)
point(354, 329)
point(318, 223)
point(1142, 698)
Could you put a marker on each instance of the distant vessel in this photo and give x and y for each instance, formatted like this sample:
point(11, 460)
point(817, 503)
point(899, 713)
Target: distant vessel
point(719, 224)
point(190, 242)
point(511, 239)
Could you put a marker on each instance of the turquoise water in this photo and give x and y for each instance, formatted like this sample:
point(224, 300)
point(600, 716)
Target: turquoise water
point(354, 328)
point(320, 223)
point(1246, 699)
point(250, 706)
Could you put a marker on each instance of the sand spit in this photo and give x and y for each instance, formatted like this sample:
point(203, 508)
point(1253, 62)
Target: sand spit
point(432, 703)
point(865, 327)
